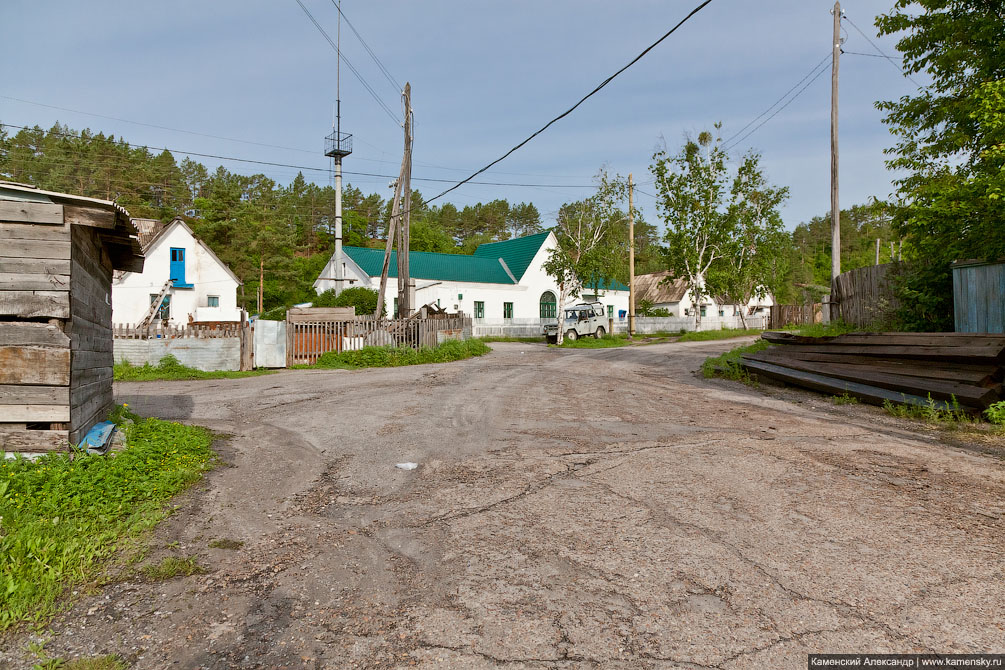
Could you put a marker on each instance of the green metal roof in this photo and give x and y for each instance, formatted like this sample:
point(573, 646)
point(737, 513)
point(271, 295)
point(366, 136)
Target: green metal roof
point(429, 265)
point(516, 253)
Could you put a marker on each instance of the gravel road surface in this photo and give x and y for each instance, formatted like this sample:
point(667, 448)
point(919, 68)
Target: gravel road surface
point(598, 508)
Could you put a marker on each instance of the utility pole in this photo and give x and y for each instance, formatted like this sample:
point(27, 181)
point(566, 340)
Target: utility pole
point(394, 224)
point(835, 202)
point(261, 281)
point(404, 278)
point(631, 258)
point(877, 251)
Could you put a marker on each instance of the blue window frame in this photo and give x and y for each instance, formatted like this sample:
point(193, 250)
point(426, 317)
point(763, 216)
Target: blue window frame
point(212, 301)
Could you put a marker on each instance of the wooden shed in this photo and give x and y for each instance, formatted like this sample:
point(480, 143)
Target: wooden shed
point(57, 254)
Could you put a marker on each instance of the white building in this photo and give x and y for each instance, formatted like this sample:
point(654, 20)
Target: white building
point(202, 289)
point(503, 284)
point(664, 292)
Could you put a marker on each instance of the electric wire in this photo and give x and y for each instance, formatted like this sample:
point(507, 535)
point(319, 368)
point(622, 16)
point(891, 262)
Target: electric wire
point(777, 102)
point(880, 51)
point(352, 68)
point(822, 69)
point(390, 78)
point(580, 102)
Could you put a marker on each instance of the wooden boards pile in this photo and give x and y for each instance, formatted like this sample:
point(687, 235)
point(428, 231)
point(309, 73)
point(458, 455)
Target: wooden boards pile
point(965, 369)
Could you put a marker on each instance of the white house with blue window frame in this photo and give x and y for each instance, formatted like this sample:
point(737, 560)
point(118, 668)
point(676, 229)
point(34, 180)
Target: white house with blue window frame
point(503, 285)
point(199, 287)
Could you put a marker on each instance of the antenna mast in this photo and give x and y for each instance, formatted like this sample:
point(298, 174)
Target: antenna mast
point(338, 145)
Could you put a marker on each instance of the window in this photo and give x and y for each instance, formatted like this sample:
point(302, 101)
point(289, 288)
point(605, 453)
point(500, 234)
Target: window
point(460, 296)
point(610, 311)
point(507, 310)
point(722, 312)
point(549, 305)
point(479, 309)
point(212, 301)
point(395, 315)
point(703, 310)
point(165, 311)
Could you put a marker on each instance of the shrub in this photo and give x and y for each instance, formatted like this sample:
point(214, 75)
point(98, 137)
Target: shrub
point(392, 357)
point(363, 299)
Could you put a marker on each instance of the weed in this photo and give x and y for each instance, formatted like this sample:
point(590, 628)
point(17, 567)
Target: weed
point(224, 543)
point(728, 364)
point(392, 357)
point(173, 566)
point(170, 368)
point(996, 413)
point(946, 414)
point(94, 663)
point(61, 518)
point(844, 399)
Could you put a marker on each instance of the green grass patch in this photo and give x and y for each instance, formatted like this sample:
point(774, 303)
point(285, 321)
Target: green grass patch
point(172, 566)
point(826, 329)
point(728, 364)
point(169, 368)
point(723, 334)
point(932, 412)
point(93, 663)
point(844, 399)
point(392, 357)
point(224, 543)
point(605, 342)
point(62, 517)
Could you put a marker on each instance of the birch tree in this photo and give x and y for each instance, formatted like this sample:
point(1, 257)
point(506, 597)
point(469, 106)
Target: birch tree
point(692, 187)
point(583, 246)
point(750, 267)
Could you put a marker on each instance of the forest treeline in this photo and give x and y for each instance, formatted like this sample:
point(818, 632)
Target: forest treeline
point(252, 219)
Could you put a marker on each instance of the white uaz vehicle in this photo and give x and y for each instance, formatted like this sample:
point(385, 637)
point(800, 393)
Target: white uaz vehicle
point(580, 320)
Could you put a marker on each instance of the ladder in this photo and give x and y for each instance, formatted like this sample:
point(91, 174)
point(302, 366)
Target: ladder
point(155, 305)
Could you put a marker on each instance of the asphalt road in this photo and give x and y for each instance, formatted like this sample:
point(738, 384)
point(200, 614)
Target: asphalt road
point(571, 509)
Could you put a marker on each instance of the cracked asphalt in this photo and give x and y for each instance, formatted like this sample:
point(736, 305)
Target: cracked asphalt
point(572, 509)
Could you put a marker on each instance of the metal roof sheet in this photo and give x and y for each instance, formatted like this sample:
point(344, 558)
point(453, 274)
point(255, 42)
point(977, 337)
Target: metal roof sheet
point(517, 253)
point(429, 265)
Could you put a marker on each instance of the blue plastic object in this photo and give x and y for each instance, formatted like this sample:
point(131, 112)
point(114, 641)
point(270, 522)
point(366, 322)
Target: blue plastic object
point(98, 438)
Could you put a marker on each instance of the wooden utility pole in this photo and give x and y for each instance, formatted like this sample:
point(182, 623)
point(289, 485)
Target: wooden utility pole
point(835, 201)
point(877, 251)
point(261, 282)
point(394, 225)
point(631, 258)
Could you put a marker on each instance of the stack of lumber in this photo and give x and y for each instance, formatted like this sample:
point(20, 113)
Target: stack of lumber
point(949, 368)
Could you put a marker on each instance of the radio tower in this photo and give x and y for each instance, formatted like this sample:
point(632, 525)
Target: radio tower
point(337, 145)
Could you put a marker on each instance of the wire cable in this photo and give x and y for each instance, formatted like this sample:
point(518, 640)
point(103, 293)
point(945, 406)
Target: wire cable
point(822, 68)
point(350, 65)
point(581, 101)
point(880, 52)
point(777, 102)
point(397, 87)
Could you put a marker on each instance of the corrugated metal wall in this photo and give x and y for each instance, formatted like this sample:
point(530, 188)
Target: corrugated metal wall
point(979, 297)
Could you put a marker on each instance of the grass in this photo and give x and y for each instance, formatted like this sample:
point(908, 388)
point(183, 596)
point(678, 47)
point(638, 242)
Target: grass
point(173, 566)
point(169, 368)
point(224, 543)
point(605, 342)
point(93, 663)
point(723, 334)
point(943, 414)
point(844, 399)
point(63, 517)
point(392, 357)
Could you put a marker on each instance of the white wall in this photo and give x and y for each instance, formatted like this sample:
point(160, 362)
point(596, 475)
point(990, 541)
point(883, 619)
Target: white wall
point(210, 353)
point(131, 292)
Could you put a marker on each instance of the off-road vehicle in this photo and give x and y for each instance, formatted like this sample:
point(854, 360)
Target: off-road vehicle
point(586, 318)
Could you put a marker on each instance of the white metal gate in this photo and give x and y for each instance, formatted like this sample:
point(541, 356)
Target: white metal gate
point(270, 344)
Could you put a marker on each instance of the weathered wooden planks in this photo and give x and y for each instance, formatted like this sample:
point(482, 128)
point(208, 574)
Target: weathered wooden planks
point(44, 366)
point(22, 394)
point(54, 266)
point(30, 212)
point(15, 439)
point(35, 249)
point(34, 413)
point(27, 332)
point(35, 304)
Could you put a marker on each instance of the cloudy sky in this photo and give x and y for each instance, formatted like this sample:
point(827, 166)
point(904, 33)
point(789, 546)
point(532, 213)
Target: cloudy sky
point(484, 76)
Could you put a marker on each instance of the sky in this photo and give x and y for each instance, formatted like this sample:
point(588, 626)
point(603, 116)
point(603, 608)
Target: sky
point(484, 76)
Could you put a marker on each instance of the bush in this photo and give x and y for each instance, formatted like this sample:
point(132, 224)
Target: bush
point(274, 314)
point(363, 299)
point(392, 357)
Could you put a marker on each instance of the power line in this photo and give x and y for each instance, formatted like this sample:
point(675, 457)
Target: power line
point(581, 101)
point(822, 68)
point(859, 53)
point(397, 87)
point(315, 169)
point(881, 53)
point(373, 93)
point(784, 95)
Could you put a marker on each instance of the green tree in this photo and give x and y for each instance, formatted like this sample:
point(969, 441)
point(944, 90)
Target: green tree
point(949, 136)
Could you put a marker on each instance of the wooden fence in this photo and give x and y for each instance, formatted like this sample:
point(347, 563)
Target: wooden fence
point(864, 297)
point(134, 332)
point(308, 336)
point(783, 316)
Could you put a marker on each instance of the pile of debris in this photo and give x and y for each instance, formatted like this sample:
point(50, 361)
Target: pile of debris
point(951, 369)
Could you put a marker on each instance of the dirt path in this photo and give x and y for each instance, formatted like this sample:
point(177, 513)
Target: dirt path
point(572, 509)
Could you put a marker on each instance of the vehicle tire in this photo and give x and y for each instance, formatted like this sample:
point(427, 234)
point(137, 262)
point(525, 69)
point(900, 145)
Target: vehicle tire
point(600, 332)
point(572, 336)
